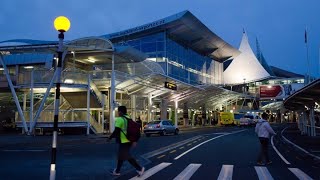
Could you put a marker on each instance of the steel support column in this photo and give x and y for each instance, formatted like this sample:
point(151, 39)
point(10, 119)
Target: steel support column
point(31, 98)
point(88, 105)
point(16, 100)
point(112, 97)
point(35, 119)
point(102, 111)
point(24, 101)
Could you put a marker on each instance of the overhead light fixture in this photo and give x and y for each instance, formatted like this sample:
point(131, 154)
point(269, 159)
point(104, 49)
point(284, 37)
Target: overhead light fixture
point(1, 69)
point(69, 81)
point(91, 60)
point(28, 67)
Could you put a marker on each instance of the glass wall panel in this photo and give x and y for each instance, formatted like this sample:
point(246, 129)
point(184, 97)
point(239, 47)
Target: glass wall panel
point(183, 63)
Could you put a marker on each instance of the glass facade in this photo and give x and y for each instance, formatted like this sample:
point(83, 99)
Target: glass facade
point(178, 61)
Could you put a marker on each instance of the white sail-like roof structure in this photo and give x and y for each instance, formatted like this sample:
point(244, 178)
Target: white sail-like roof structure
point(245, 67)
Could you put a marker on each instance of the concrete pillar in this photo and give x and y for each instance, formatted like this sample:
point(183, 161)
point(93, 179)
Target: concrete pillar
point(204, 115)
point(149, 107)
point(133, 107)
point(304, 123)
point(176, 113)
point(164, 107)
point(185, 115)
point(312, 122)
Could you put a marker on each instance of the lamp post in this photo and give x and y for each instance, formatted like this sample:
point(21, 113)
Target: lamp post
point(61, 24)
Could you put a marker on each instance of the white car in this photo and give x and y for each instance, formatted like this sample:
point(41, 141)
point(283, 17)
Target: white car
point(161, 127)
point(249, 120)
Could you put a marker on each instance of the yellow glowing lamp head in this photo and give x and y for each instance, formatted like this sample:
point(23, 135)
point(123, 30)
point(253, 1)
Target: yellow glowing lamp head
point(62, 24)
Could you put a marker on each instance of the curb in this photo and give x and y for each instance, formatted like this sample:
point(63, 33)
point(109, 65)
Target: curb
point(298, 147)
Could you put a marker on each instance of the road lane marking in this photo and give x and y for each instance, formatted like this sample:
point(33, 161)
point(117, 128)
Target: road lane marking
point(188, 172)
point(202, 144)
point(226, 172)
point(189, 144)
point(263, 173)
point(24, 150)
point(300, 148)
point(181, 147)
point(161, 156)
point(275, 149)
point(168, 148)
point(151, 171)
point(300, 174)
point(172, 151)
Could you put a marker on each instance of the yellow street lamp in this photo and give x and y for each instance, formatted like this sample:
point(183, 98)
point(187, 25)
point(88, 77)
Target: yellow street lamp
point(61, 24)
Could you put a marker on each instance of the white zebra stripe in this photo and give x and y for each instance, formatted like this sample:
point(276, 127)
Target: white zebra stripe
point(226, 172)
point(263, 173)
point(300, 174)
point(152, 171)
point(188, 172)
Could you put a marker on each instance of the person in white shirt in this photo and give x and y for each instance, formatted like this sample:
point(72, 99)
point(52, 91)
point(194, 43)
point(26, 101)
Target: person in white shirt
point(264, 131)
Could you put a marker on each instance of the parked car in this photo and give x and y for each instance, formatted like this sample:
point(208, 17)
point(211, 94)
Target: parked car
point(249, 120)
point(161, 127)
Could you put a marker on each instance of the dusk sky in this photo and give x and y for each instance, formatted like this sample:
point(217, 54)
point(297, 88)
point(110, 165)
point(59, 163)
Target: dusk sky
point(278, 25)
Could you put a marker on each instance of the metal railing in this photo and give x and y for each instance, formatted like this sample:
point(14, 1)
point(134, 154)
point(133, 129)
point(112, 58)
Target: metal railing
point(45, 76)
point(64, 116)
point(307, 129)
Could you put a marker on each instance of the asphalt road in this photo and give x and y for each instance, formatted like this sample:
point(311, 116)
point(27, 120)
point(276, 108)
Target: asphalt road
point(198, 154)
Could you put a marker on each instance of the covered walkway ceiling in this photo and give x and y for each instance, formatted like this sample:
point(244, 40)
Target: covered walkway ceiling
point(307, 96)
point(91, 50)
point(194, 96)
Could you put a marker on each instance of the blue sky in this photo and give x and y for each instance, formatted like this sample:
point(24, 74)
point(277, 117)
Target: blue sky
point(279, 25)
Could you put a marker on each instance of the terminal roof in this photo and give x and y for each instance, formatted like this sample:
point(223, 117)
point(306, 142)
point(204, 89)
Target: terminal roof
point(186, 29)
point(305, 97)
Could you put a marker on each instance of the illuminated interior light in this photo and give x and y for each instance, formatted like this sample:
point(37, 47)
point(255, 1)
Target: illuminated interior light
point(69, 81)
point(28, 67)
point(152, 59)
point(1, 69)
point(91, 60)
point(176, 64)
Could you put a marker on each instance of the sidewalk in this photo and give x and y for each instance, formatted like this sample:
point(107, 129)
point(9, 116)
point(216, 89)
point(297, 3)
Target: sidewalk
point(308, 143)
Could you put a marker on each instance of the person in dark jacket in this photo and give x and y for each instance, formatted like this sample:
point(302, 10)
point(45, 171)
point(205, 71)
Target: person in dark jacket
point(139, 122)
point(124, 144)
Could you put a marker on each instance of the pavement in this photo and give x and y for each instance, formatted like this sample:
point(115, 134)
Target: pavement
point(82, 150)
point(303, 144)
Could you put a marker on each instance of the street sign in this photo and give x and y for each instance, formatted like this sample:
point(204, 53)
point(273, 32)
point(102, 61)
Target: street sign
point(170, 85)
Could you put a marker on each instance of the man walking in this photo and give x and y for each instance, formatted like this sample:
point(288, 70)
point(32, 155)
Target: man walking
point(263, 130)
point(125, 145)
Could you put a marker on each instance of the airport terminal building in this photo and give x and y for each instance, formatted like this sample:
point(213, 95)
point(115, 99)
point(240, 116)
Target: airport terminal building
point(171, 68)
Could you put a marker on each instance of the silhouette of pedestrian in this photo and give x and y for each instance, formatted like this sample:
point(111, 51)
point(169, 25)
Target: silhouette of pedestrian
point(264, 130)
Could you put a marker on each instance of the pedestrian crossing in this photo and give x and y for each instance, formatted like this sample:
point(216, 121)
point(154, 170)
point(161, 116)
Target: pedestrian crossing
point(226, 172)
